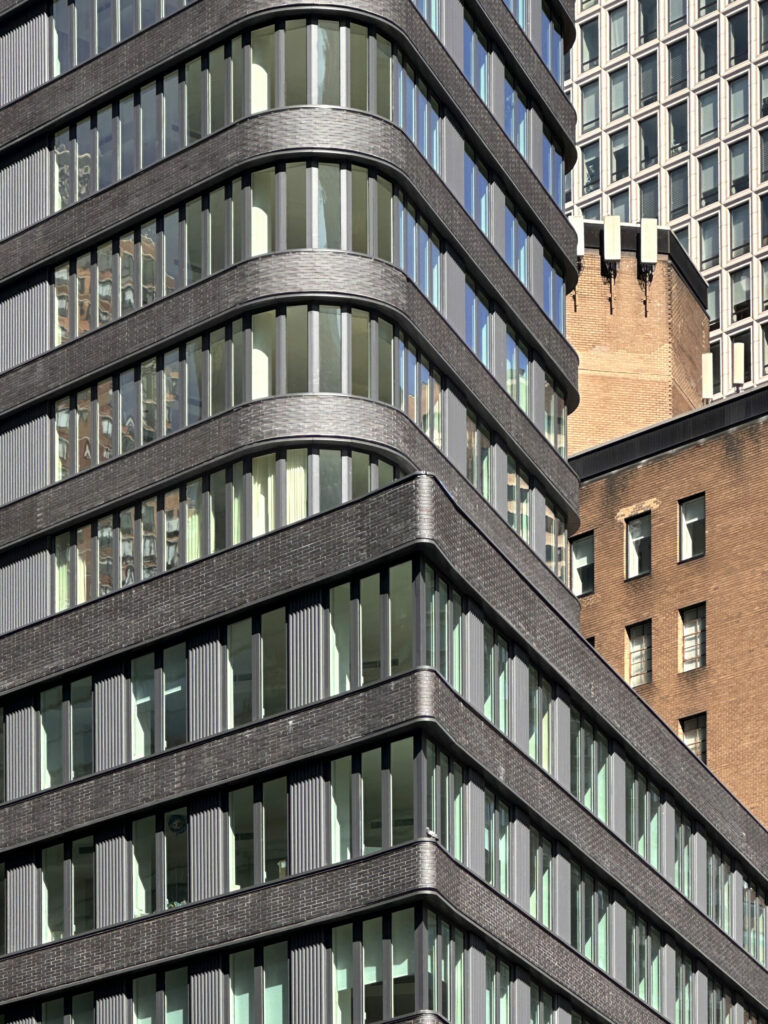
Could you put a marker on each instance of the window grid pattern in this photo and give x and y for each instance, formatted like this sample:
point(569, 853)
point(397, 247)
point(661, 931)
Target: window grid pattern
point(206, 235)
point(205, 515)
point(360, 613)
point(243, 360)
point(717, 50)
point(331, 64)
point(80, 29)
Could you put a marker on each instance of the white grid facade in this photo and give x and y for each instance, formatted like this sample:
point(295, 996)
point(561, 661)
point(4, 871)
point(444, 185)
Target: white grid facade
point(689, 145)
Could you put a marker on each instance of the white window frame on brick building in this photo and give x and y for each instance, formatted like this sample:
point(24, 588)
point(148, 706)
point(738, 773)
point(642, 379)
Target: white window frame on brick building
point(640, 653)
point(693, 637)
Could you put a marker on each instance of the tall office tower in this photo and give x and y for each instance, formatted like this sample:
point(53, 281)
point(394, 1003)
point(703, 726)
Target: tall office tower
point(672, 100)
point(297, 722)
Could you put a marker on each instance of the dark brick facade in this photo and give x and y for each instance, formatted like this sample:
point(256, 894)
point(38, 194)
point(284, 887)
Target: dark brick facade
point(433, 512)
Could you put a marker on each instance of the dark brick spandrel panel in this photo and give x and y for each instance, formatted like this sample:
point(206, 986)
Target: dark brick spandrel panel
point(418, 871)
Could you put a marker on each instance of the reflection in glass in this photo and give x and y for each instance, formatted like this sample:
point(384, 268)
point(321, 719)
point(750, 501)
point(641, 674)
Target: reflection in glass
point(127, 566)
point(149, 538)
point(171, 506)
point(106, 555)
point(143, 706)
point(263, 473)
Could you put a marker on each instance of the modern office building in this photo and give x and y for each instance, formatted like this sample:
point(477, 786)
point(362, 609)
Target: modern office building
point(297, 723)
point(672, 102)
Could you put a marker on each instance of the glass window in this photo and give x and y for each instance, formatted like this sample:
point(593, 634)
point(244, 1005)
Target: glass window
point(707, 52)
point(678, 129)
point(239, 672)
point(402, 785)
point(617, 24)
point(694, 637)
point(143, 706)
point(590, 156)
point(708, 179)
point(619, 90)
point(677, 13)
point(274, 661)
point(274, 804)
point(51, 738)
point(620, 205)
point(53, 893)
point(738, 38)
point(329, 206)
point(740, 294)
point(590, 50)
point(649, 197)
point(678, 65)
point(341, 809)
point(263, 209)
point(647, 20)
point(640, 663)
point(590, 905)
point(82, 881)
point(708, 115)
point(343, 973)
point(176, 857)
point(193, 216)
point(678, 192)
point(738, 101)
point(649, 141)
point(709, 231)
point(714, 348)
point(175, 695)
point(63, 155)
point(740, 229)
point(583, 565)
point(476, 59)
point(692, 527)
point(144, 866)
point(62, 37)
point(638, 545)
point(590, 105)
point(296, 62)
point(649, 88)
point(403, 962)
point(401, 617)
point(713, 303)
point(693, 734)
